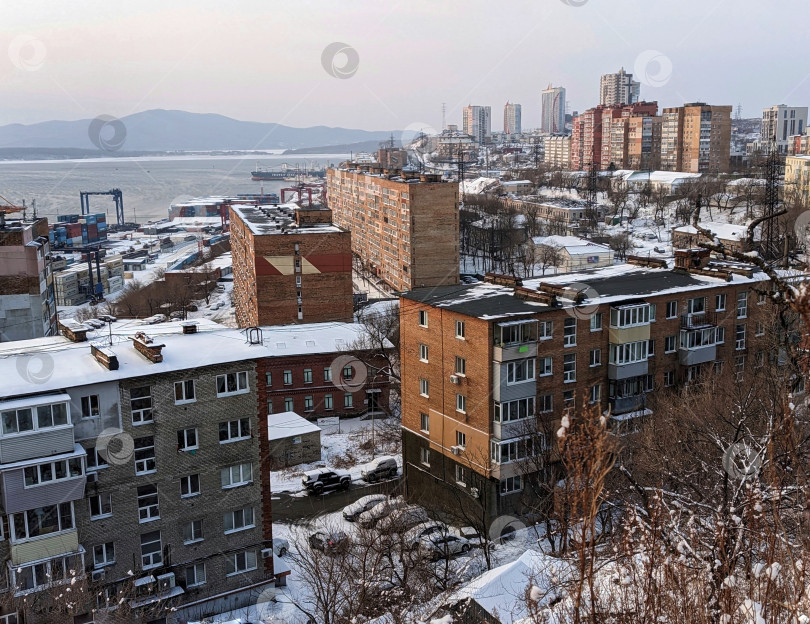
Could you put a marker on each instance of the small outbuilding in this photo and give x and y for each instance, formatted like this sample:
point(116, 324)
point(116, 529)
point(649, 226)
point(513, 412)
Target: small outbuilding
point(293, 440)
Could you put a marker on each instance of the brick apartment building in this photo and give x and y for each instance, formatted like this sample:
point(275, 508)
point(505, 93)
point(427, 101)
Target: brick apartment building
point(404, 225)
point(487, 366)
point(150, 460)
point(696, 138)
point(27, 304)
point(290, 265)
point(601, 135)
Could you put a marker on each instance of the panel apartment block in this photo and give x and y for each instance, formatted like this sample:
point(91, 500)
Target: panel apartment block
point(290, 265)
point(404, 225)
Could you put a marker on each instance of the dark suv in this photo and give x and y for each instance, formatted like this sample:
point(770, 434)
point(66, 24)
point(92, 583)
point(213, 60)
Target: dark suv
point(316, 481)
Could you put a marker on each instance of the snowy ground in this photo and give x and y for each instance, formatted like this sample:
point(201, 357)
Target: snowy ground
point(352, 441)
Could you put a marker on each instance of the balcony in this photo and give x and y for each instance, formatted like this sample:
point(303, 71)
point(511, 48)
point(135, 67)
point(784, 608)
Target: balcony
point(17, 497)
point(625, 371)
point(623, 405)
point(699, 320)
point(513, 428)
point(504, 353)
point(698, 345)
point(60, 544)
point(511, 469)
point(697, 355)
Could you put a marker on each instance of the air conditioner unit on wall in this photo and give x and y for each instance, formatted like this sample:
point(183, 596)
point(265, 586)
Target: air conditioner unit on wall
point(98, 575)
point(92, 477)
point(267, 553)
point(456, 450)
point(166, 581)
point(454, 379)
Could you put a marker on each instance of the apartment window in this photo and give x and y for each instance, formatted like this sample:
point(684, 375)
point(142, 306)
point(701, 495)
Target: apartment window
point(511, 484)
point(546, 328)
point(327, 402)
point(720, 302)
point(544, 366)
point(669, 378)
point(22, 420)
point(270, 406)
point(717, 366)
point(309, 404)
point(630, 316)
point(289, 404)
point(424, 387)
point(423, 318)
point(195, 575)
point(268, 379)
point(520, 371)
point(515, 333)
point(140, 403)
point(739, 337)
point(461, 475)
point(651, 347)
point(52, 471)
point(232, 383)
point(233, 476)
point(742, 304)
point(720, 335)
point(568, 398)
point(762, 298)
point(348, 372)
point(672, 309)
point(90, 406)
point(739, 367)
point(298, 281)
point(461, 439)
point(189, 485)
point(287, 377)
point(461, 403)
point(184, 391)
point(514, 410)
point(187, 440)
point(759, 359)
point(424, 456)
point(193, 531)
point(103, 555)
point(348, 400)
point(697, 305)
point(424, 422)
point(596, 393)
point(545, 403)
point(596, 322)
point(327, 374)
point(760, 329)
point(423, 352)
point(511, 450)
point(100, 505)
point(41, 521)
point(151, 550)
point(570, 368)
point(460, 330)
point(243, 561)
point(570, 332)
point(595, 357)
point(669, 344)
point(233, 430)
point(148, 506)
point(653, 309)
point(144, 455)
point(629, 352)
point(461, 366)
point(692, 374)
point(94, 460)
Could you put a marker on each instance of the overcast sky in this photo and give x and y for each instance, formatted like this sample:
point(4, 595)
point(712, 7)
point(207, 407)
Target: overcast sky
point(262, 60)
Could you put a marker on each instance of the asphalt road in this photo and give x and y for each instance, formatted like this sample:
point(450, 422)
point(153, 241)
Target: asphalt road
point(289, 508)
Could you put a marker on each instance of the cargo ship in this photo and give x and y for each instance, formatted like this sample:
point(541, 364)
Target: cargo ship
point(286, 172)
point(261, 173)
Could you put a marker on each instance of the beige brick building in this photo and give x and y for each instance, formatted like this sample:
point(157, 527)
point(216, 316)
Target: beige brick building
point(404, 225)
point(696, 138)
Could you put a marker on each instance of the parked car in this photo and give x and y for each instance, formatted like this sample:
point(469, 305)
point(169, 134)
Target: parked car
point(414, 534)
point(442, 546)
point(176, 315)
point(403, 519)
point(94, 323)
point(316, 481)
point(280, 546)
point(361, 505)
point(329, 542)
point(380, 468)
point(107, 318)
point(369, 518)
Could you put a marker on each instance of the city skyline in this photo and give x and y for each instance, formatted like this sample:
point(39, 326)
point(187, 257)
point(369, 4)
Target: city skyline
point(150, 56)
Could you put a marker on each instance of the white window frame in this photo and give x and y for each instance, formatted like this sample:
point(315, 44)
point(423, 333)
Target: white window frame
point(739, 343)
point(720, 301)
point(570, 338)
point(233, 383)
point(545, 366)
point(461, 403)
point(460, 366)
point(328, 402)
point(424, 422)
point(24, 516)
point(187, 483)
point(672, 309)
point(424, 456)
point(596, 322)
point(570, 372)
point(742, 304)
point(245, 476)
point(103, 499)
point(327, 374)
point(91, 403)
point(424, 387)
point(460, 330)
point(197, 581)
point(155, 557)
point(141, 415)
point(188, 439)
point(148, 511)
point(673, 340)
point(193, 532)
point(520, 371)
point(423, 353)
point(546, 330)
point(287, 377)
point(146, 463)
point(595, 357)
point(307, 375)
point(423, 318)
point(187, 390)
point(249, 561)
point(348, 400)
point(243, 430)
point(510, 485)
point(107, 555)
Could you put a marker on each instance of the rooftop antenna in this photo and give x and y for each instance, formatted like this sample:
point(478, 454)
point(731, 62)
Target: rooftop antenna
point(444, 115)
point(738, 112)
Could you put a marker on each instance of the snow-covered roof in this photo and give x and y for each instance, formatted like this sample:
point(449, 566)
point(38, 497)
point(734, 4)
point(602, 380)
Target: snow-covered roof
point(55, 362)
point(478, 185)
point(287, 425)
point(726, 231)
point(743, 181)
point(501, 591)
point(572, 244)
point(662, 177)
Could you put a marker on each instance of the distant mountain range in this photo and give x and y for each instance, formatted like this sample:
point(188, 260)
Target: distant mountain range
point(169, 130)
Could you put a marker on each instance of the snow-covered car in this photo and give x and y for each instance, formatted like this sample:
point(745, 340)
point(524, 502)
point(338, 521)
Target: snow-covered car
point(329, 542)
point(94, 323)
point(316, 481)
point(414, 534)
point(442, 546)
point(280, 546)
point(401, 520)
point(107, 318)
point(361, 505)
point(369, 518)
point(380, 468)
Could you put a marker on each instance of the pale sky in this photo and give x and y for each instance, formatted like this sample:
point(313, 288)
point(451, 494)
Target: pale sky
point(261, 60)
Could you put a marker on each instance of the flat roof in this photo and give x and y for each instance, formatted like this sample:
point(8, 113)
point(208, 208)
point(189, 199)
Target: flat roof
point(279, 219)
point(610, 284)
point(288, 424)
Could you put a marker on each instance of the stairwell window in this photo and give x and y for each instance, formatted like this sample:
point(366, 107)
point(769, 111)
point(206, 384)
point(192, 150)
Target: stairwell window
point(570, 368)
point(140, 403)
point(148, 505)
point(103, 555)
point(460, 330)
point(90, 406)
point(424, 423)
point(461, 366)
point(151, 550)
point(187, 440)
point(193, 532)
point(184, 391)
point(423, 318)
point(423, 353)
point(189, 486)
point(424, 387)
point(570, 332)
point(100, 505)
point(461, 403)
point(739, 338)
point(742, 304)
point(596, 322)
point(144, 455)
